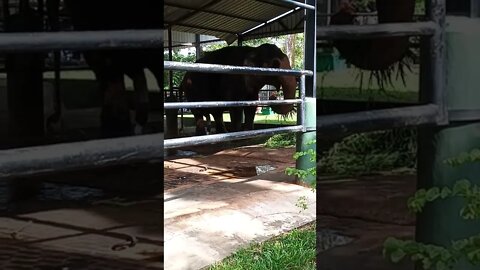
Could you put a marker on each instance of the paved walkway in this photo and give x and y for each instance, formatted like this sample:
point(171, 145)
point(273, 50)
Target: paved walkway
point(78, 227)
point(214, 206)
point(367, 209)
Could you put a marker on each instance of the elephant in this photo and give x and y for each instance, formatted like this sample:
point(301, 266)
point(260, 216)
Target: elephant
point(204, 86)
point(111, 66)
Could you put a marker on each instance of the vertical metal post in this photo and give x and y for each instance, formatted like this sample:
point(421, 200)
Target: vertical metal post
point(25, 81)
point(240, 43)
point(474, 8)
point(170, 58)
point(329, 11)
point(301, 114)
point(307, 113)
point(6, 9)
point(171, 115)
point(436, 12)
point(41, 8)
point(53, 8)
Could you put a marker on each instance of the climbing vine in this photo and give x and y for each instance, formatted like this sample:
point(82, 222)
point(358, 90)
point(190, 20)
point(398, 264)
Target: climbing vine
point(302, 174)
point(439, 257)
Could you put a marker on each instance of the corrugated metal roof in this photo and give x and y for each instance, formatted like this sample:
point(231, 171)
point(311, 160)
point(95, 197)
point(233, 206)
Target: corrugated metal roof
point(181, 39)
point(226, 19)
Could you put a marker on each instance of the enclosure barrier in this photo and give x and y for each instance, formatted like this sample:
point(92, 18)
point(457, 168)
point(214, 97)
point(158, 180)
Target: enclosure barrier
point(214, 68)
point(80, 40)
point(434, 112)
point(80, 155)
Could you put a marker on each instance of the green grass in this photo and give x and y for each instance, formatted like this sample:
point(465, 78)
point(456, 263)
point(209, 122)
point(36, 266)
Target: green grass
point(354, 94)
point(295, 250)
point(273, 119)
point(345, 85)
point(350, 78)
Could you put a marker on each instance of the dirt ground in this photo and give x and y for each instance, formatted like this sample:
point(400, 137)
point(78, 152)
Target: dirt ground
point(213, 164)
point(217, 203)
point(368, 209)
point(110, 218)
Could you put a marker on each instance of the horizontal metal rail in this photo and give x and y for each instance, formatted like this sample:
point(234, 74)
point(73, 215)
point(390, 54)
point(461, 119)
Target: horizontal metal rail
point(348, 123)
point(81, 40)
point(221, 138)
point(294, 3)
point(215, 68)
point(377, 30)
point(79, 155)
point(213, 104)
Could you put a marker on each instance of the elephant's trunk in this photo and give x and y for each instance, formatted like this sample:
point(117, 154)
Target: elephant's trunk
point(289, 87)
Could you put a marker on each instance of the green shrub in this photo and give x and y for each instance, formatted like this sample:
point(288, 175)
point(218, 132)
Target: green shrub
point(369, 152)
point(430, 256)
point(281, 140)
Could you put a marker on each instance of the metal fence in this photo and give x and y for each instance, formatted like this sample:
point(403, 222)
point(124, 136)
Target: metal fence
point(433, 110)
point(78, 155)
point(306, 78)
point(213, 68)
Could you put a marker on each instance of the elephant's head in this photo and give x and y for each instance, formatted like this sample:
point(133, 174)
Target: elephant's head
point(270, 56)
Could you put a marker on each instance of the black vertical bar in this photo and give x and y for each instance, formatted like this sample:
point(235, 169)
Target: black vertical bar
point(432, 53)
point(432, 89)
point(310, 47)
point(474, 8)
point(6, 9)
point(240, 40)
point(53, 7)
point(41, 9)
point(171, 115)
point(170, 58)
point(437, 60)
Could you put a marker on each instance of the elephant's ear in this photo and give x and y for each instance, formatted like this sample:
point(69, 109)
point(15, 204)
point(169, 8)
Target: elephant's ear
point(251, 60)
point(266, 55)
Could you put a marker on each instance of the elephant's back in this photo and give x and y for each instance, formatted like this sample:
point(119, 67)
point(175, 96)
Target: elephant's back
point(199, 86)
point(232, 55)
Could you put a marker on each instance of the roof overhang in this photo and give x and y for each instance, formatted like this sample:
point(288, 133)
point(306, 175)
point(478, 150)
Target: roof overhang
point(228, 20)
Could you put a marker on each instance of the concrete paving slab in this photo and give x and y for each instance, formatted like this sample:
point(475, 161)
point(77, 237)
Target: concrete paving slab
point(205, 223)
point(130, 233)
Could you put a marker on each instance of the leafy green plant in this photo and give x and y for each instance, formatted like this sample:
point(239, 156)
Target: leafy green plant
point(370, 152)
point(281, 140)
point(301, 173)
point(439, 257)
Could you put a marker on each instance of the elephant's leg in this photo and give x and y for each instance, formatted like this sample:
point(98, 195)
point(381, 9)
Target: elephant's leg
point(115, 116)
point(219, 124)
point(236, 118)
point(249, 117)
point(209, 123)
point(200, 128)
point(141, 99)
point(115, 112)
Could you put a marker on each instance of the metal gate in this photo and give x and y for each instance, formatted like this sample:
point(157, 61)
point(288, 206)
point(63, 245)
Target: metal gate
point(78, 155)
point(187, 141)
point(433, 110)
point(306, 87)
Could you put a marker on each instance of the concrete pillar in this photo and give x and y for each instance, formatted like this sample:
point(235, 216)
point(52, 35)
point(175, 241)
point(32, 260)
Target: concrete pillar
point(304, 138)
point(440, 222)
